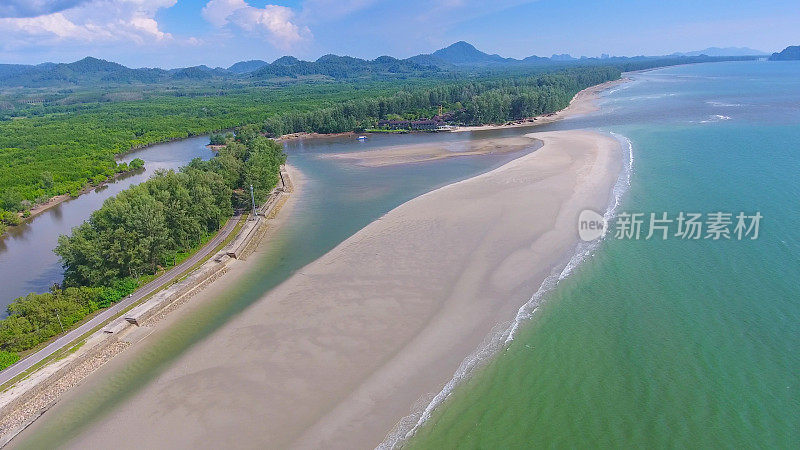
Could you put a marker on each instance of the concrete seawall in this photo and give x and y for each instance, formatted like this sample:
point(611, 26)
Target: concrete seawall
point(26, 400)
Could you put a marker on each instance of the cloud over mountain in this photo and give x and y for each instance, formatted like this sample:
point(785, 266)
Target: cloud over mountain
point(276, 23)
point(82, 21)
point(33, 8)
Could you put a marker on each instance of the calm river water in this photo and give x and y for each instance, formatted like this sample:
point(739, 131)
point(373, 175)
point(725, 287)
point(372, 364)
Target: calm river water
point(27, 261)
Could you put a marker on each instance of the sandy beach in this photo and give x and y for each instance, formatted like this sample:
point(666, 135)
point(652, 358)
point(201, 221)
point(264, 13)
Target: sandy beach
point(338, 353)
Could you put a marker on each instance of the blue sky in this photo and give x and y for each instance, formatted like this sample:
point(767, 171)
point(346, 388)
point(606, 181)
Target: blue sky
point(172, 33)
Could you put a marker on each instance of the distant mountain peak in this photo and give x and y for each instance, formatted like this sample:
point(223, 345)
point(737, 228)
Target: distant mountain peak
point(247, 66)
point(92, 63)
point(87, 59)
point(286, 60)
point(462, 45)
point(463, 52)
point(724, 51)
point(790, 53)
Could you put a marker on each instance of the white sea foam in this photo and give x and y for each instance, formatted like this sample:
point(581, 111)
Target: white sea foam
point(502, 334)
point(716, 118)
point(723, 104)
point(652, 97)
point(620, 87)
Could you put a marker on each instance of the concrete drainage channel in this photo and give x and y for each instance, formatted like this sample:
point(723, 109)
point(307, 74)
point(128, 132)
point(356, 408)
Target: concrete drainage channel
point(25, 401)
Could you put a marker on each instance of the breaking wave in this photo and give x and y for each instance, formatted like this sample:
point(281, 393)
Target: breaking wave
point(723, 104)
point(716, 118)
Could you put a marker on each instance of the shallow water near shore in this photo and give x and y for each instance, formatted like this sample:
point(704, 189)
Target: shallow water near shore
point(666, 343)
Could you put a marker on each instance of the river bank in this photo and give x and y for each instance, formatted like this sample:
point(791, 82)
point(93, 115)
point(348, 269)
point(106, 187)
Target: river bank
point(23, 402)
point(59, 199)
point(27, 261)
point(39, 208)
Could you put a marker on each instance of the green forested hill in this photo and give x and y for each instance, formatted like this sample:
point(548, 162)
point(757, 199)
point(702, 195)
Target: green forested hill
point(342, 67)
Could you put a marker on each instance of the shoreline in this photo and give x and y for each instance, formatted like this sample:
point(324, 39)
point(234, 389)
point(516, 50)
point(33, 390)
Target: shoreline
point(59, 199)
point(219, 286)
point(343, 348)
point(500, 336)
point(581, 103)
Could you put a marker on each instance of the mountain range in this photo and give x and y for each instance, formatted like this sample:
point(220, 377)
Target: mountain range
point(458, 56)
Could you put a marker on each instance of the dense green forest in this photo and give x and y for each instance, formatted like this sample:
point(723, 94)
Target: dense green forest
point(493, 100)
point(58, 141)
point(141, 231)
point(48, 151)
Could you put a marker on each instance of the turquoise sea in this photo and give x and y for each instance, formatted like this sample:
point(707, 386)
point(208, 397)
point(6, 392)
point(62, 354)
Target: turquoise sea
point(666, 343)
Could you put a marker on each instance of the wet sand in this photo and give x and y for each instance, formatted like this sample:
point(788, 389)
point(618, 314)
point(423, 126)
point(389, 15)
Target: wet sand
point(338, 353)
point(584, 102)
point(403, 154)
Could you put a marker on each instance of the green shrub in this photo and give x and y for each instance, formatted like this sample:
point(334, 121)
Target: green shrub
point(9, 218)
point(136, 164)
point(7, 359)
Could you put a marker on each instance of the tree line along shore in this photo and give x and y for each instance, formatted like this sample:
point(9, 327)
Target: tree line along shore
point(59, 148)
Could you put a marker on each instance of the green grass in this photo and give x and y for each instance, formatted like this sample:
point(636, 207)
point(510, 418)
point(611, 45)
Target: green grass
point(7, 359)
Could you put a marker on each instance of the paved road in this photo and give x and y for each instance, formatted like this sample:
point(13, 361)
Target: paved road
point(24, 364)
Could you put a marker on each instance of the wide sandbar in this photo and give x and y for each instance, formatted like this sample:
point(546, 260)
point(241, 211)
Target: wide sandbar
point(338, 353)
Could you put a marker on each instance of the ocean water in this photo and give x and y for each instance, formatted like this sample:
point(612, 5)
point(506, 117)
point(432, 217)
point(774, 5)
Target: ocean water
point(666, 343)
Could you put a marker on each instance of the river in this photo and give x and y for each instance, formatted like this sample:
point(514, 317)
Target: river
point(27, 261)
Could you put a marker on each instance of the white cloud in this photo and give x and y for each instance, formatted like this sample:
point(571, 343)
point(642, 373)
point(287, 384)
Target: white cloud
point(276, 23)
point(33, 8)
point(91, 21)
point(328, 10)
point(217, 12)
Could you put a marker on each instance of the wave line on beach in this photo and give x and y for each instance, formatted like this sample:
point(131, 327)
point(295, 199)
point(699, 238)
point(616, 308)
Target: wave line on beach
point(502, 334)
